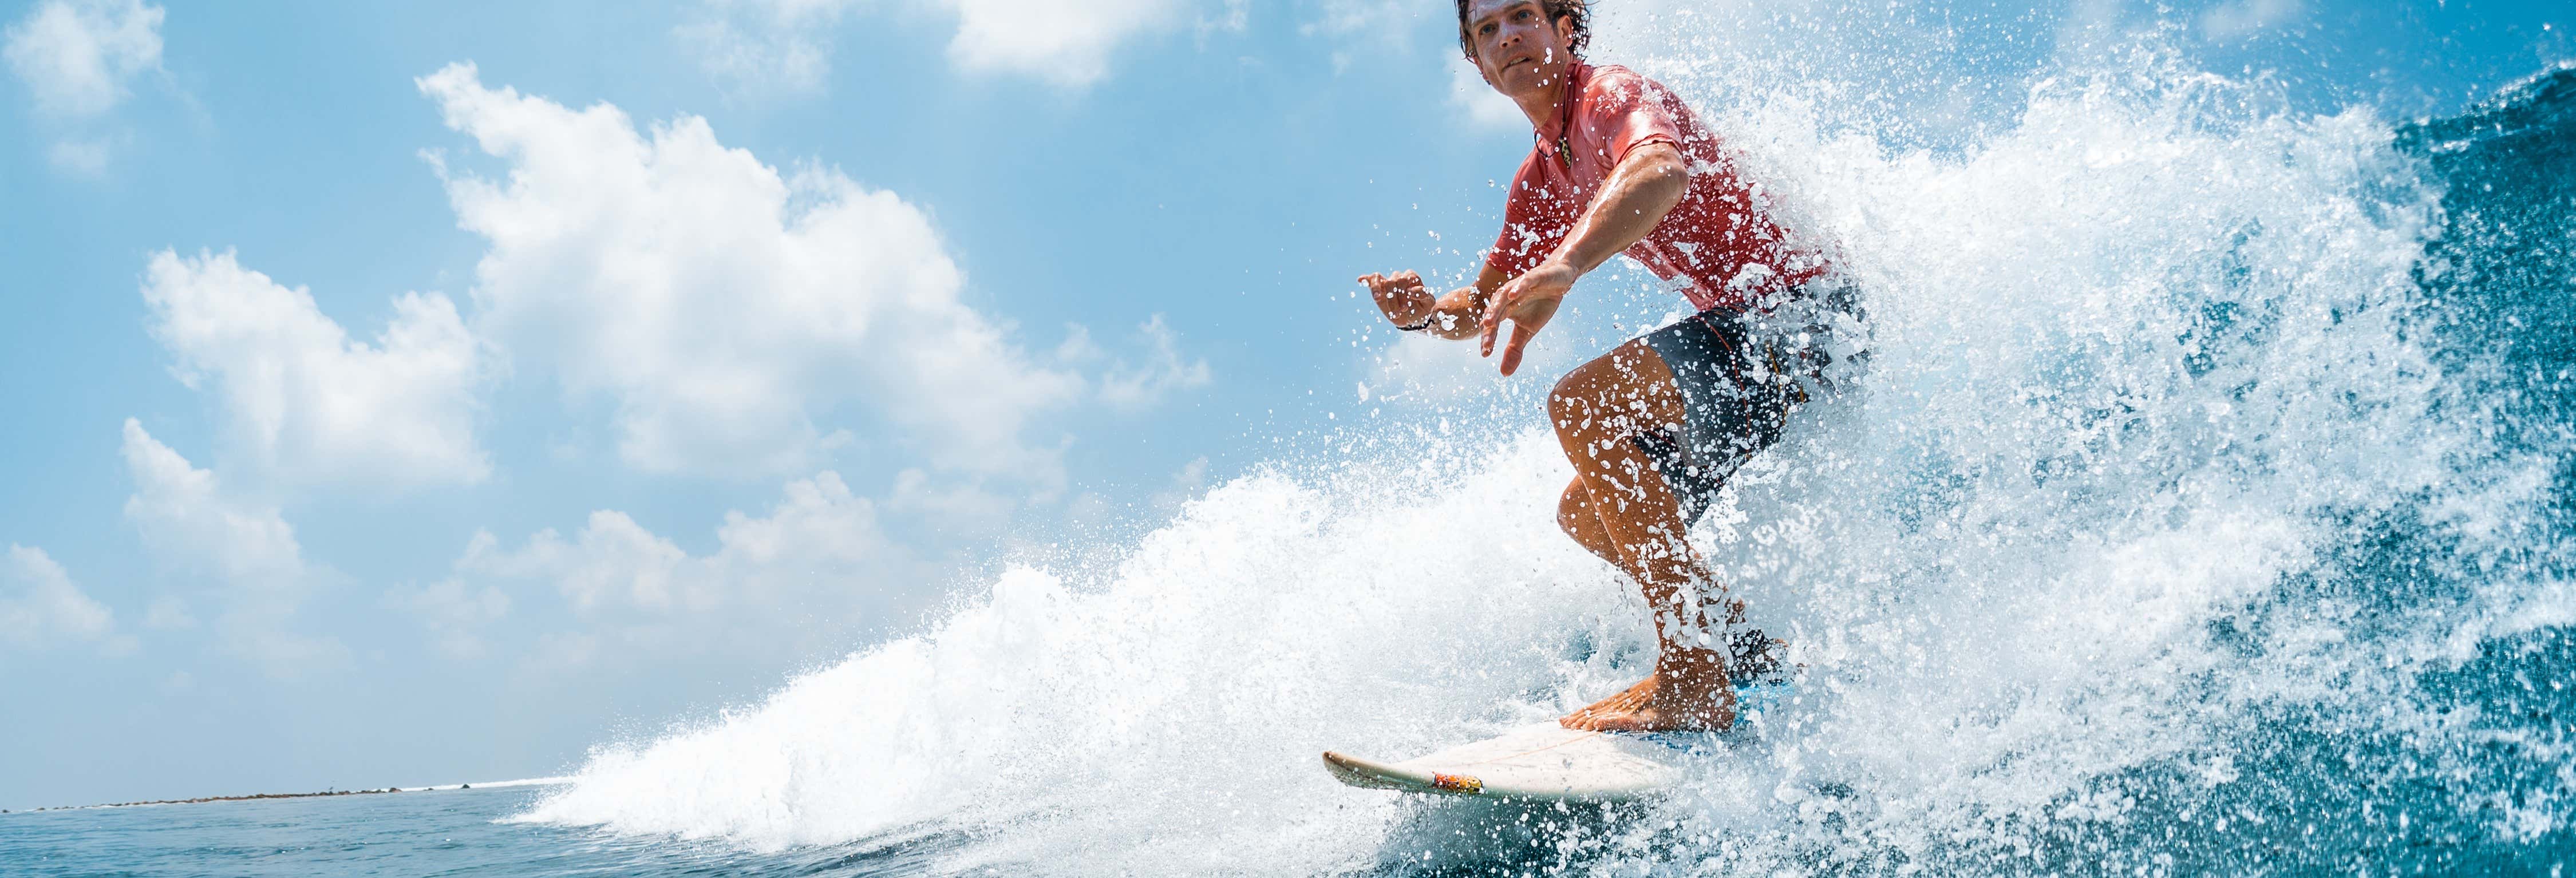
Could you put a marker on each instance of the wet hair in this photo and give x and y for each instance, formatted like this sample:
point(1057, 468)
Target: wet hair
point(1579, 10)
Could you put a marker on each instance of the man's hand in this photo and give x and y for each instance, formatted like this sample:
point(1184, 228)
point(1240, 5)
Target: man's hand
point(1528, 301)
point(1402, 296)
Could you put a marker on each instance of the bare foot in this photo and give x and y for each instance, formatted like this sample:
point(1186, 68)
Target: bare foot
point(1688, 693)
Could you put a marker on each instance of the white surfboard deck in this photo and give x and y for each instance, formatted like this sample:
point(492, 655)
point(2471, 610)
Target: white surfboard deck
point(1548, 762)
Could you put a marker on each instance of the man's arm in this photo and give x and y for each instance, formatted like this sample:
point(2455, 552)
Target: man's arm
point(1408, 303)
point(1641, 190)
point(1646, 185)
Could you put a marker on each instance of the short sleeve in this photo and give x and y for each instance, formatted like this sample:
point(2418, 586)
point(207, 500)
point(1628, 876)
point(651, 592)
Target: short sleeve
point(1525, 240)
point(1628, 111)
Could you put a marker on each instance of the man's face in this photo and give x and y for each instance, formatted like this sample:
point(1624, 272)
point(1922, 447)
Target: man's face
point(1517, 47)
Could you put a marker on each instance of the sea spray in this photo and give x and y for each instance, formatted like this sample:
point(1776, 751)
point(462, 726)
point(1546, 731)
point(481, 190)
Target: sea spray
point(2199, 513)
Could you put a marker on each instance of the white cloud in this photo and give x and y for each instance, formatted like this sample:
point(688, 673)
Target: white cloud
point(1133, 387)
point(244, 548)
point(616, 566)
point(304, 400)
point(2243, 17)
point(613, 563)
point(40, 605)
point(186, 518)
point(820, 554)
point(724, 307)
point(77, 56)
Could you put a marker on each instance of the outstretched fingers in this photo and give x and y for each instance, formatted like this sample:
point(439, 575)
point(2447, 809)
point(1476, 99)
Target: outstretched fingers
point(1493, 319)
point(1522, 332)
point(1383, 282)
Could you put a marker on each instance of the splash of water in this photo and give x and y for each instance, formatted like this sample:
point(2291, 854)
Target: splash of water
point(2200, 513)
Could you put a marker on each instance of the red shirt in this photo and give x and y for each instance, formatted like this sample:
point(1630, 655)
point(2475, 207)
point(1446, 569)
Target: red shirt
point(1718, 246)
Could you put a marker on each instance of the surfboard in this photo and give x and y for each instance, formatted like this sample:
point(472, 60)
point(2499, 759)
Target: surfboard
point(1549, 762)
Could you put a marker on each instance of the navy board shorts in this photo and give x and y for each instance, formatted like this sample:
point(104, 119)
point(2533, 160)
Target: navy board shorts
point(1741, 375)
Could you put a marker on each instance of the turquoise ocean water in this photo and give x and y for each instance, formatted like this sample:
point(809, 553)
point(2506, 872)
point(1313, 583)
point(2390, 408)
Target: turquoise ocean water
point(431, 832)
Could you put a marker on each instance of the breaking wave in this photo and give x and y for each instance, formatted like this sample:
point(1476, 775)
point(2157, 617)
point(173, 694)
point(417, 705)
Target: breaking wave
point(2206, 509)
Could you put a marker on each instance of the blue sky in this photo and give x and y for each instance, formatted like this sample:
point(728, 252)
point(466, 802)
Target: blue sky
point(409, 393)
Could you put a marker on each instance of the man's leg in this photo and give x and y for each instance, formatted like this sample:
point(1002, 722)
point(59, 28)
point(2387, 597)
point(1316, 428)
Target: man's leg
point(1575, 515)
point(1596, 410)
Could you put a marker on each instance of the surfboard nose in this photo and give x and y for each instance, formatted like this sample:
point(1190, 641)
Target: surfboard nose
point(1357, 772)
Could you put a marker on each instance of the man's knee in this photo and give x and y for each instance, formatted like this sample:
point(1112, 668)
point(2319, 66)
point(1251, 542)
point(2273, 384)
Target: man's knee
point(1569, 407)
point(1581, 402)
point(1574, 511)
point(1589, 394)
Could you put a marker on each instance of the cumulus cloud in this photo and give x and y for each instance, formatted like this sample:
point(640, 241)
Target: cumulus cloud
point(187, 518)
point(615, 566)
point(613, 563)
point(305, 401)
point(723, 306)
point(787, 44)
point(819, 555)
point(245, 549)
point(41, 606)
point(77, 56)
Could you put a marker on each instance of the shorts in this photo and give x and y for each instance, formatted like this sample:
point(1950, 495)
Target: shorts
point(1741, 375)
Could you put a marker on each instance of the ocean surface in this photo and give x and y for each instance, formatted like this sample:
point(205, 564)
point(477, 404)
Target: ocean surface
point(430, 832)
point(2209, 508)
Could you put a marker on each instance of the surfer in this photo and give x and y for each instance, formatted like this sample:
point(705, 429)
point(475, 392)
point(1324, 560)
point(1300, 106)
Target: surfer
point(1656, 425)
